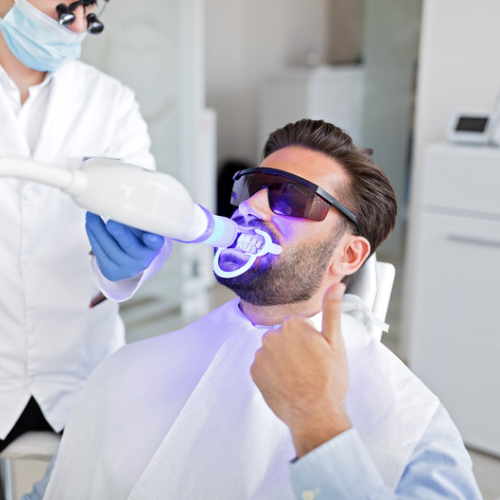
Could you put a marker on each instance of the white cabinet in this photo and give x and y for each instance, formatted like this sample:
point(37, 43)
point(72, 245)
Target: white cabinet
point(455, 327)
point(330, 93)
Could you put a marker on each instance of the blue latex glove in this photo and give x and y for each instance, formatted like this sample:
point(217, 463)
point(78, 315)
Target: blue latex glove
point(121, 251)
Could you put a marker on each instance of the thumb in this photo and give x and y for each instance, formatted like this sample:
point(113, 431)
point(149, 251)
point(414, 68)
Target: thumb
point(153, 241)
point(332, 306)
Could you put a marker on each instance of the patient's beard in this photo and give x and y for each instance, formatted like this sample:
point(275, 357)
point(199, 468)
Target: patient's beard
point(294, 276)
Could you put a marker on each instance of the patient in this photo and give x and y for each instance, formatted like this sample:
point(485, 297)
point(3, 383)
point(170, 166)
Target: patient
point(179, 416)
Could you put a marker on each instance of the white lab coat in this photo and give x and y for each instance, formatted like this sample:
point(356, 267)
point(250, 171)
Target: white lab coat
point(50, 340)
point(178, 417)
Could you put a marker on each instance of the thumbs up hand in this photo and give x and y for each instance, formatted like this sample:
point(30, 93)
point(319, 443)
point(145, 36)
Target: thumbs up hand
point(303, 376)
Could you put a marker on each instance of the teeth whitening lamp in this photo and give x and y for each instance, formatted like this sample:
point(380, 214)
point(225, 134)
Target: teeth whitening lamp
point(149, 200)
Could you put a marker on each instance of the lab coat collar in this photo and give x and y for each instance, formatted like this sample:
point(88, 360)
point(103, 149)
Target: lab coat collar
point(56, 124)
point(14, 142)
point(4, 78)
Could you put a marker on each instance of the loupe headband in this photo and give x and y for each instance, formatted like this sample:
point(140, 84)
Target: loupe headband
point(66, 16)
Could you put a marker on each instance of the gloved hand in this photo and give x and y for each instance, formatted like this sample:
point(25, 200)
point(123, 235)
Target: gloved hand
point(121, 251)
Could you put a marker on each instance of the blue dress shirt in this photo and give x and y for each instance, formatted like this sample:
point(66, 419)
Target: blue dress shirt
point(440, 468)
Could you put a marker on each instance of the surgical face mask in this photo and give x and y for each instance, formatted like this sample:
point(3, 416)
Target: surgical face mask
point(37, 40)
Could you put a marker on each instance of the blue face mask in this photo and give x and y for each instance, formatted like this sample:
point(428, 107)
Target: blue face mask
point(37, 40)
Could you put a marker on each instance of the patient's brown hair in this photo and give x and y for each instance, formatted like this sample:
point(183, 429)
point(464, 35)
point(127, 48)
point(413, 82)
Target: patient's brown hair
point(368, 192)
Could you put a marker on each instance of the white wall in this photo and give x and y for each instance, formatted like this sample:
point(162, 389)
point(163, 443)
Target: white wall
point(390, 49)
point(459, 69)
point(246, 40)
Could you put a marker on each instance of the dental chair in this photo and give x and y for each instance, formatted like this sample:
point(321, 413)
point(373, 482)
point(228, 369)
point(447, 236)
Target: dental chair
point(373, 285)
point(36, 445)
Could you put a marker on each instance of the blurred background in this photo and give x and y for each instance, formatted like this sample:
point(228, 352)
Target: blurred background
point(215, 77)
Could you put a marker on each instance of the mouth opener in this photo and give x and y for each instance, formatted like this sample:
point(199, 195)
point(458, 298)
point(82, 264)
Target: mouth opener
point(267, 247)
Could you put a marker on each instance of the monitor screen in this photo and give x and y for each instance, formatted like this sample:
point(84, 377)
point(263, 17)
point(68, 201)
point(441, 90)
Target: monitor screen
point(471, 124)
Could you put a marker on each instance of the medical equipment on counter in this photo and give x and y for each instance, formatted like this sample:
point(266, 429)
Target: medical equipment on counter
point(473, 127)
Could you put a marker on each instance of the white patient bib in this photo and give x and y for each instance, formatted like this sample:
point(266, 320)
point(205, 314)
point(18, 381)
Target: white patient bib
point(211, 435)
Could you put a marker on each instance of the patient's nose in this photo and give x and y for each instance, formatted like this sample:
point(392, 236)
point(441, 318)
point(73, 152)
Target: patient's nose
point(257, 206)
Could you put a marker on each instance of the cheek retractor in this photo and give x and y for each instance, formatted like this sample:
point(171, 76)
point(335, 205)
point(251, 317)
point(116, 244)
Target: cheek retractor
point(253, 251)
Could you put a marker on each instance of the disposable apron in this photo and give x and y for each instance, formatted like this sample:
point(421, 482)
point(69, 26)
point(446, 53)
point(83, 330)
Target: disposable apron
point(216, 438)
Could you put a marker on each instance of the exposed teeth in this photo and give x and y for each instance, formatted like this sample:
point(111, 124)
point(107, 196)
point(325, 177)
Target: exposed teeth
point(250, 243)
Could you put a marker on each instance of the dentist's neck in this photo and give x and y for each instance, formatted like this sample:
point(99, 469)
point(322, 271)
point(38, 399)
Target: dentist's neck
point(22, 76)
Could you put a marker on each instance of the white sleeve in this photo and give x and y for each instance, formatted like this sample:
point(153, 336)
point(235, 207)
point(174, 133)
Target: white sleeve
point(122, 290)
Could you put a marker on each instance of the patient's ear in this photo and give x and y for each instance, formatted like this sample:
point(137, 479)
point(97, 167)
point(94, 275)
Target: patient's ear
point(351, 252)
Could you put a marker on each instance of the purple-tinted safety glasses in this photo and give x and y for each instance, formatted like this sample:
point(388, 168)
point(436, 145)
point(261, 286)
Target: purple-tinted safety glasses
point(288, 194)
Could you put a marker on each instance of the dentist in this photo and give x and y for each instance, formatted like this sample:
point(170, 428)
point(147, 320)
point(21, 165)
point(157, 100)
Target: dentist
point(55, 326)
